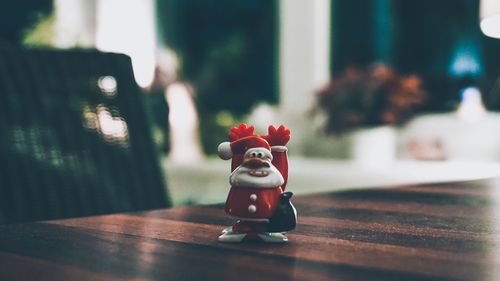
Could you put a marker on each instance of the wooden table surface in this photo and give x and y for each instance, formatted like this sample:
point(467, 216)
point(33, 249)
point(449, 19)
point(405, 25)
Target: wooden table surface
point(422, 232)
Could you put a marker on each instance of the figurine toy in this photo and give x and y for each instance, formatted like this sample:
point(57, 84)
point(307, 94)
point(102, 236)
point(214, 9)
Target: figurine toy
point(259, 173)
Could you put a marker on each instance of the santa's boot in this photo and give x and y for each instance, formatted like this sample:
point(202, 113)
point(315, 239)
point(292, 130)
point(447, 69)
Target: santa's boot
point(247, 230)
point(231, 237)
point(273, 237)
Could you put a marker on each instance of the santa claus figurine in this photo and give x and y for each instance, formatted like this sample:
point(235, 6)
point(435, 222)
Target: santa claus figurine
point(259, 173)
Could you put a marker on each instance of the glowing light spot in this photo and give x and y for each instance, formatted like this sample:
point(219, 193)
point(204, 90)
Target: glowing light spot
point(471, 108)
point(108, 85)
point(465, 61)
point(111, 126)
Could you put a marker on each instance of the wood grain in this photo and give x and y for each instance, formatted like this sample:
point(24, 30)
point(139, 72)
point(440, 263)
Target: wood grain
point(422, 232)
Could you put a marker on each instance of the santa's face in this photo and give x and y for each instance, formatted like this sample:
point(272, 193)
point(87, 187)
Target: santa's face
point(256, 170)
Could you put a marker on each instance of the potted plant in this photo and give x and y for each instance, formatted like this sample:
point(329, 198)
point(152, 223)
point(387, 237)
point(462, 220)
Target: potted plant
point(367, 104)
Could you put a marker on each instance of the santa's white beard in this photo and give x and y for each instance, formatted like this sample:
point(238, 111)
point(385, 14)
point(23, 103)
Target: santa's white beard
point(241, 178)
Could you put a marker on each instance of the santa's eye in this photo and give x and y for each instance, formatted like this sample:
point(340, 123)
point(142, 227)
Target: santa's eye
point(260, 155)
point(253, 154)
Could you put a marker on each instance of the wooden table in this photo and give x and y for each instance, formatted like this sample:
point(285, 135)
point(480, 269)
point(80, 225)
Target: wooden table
point(422, 232)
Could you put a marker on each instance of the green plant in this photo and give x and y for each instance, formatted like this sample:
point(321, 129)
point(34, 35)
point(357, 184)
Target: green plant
point(41, 34)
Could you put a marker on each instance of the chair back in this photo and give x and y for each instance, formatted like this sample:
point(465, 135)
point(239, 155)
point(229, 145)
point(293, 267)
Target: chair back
point(74, 139)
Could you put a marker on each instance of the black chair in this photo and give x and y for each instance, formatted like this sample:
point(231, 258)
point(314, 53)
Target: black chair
point(74, 139)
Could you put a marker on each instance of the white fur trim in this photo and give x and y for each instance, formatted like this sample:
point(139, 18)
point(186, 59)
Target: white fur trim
point(279, 148)
point(224, 150)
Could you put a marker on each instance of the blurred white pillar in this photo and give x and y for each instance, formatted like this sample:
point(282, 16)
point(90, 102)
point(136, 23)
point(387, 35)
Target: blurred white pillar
point(128, 26)
point(304, 64)
point(185, 145)
point(74, 23)
point(304, 52)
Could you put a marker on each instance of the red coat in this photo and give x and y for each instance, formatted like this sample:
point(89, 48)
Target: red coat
point(253, 202)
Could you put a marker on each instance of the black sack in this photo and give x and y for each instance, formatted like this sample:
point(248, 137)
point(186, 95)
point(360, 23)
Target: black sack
point(285, 216)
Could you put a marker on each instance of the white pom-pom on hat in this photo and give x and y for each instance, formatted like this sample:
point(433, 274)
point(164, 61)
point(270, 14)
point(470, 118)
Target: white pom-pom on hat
point(224, 150)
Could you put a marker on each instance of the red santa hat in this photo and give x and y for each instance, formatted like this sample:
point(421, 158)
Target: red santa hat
point(226, 150)
point(234, 150)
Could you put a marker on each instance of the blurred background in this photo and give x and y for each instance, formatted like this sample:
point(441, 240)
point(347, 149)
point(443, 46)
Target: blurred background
point(374, 91)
